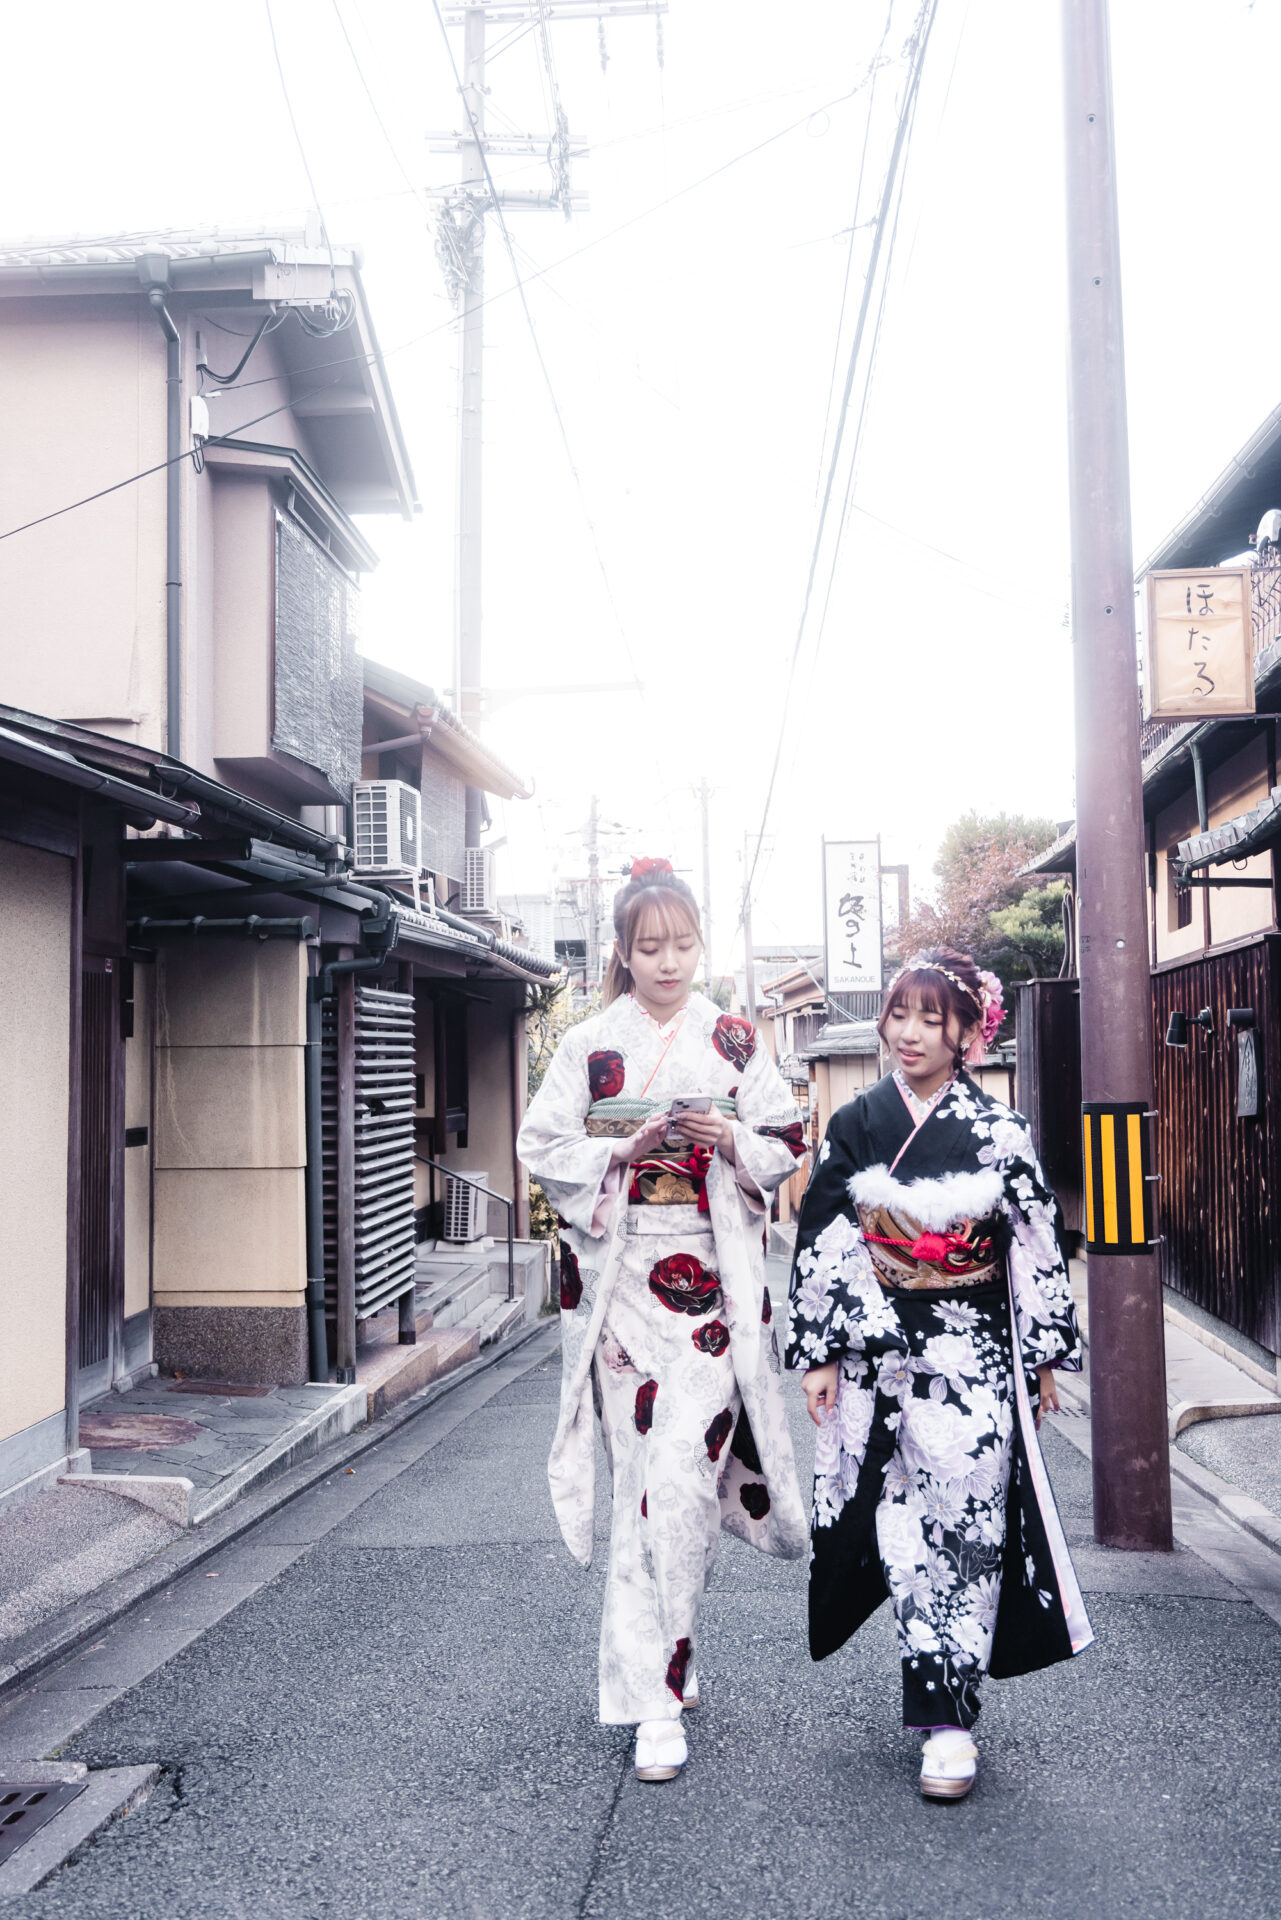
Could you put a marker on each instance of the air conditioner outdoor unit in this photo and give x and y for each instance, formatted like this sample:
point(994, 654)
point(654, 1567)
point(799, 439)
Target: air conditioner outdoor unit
point(478, 881)
point(388, 827)
point(466, 1210)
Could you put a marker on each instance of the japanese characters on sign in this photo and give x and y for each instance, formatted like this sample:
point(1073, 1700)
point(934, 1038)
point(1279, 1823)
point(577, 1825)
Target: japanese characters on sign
point(1200, 650)
point(852, 915)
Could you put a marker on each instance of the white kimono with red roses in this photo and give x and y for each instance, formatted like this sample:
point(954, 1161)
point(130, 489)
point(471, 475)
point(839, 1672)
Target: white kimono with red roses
point(616, 1053)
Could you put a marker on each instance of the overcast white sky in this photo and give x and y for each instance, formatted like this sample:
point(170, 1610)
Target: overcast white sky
point(691, 354)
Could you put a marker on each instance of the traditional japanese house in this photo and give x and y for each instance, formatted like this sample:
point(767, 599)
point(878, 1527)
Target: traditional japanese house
point(1212, 814)
point(263, 1024)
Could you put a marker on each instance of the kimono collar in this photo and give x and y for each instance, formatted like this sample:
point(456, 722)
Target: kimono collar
point(919, 1109)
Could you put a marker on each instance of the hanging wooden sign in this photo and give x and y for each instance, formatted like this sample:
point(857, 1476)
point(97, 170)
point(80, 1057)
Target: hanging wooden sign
point(1199, 652)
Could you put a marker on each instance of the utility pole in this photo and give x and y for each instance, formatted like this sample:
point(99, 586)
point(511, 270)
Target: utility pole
point(705, 795)
point(749, 958)
point(1131, 1464)
point(470, 396)
point(461, 250)
point(593, 896)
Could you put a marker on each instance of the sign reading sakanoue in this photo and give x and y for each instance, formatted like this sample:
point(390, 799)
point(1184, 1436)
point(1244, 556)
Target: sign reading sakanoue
point(1199, 647)
point(852, 915)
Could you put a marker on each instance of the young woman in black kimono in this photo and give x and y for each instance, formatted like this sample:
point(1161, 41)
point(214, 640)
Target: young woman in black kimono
point(930, 1306)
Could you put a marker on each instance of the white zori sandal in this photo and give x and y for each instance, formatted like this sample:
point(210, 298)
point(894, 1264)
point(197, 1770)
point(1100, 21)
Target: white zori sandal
point(949, 1764)
point(690, 1697)
point(660, 1749)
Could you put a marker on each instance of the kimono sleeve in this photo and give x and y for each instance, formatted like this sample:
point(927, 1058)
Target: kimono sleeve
point(552, 1143)
point(769, 1136)
point(836, 1303)
point(1043, 1303)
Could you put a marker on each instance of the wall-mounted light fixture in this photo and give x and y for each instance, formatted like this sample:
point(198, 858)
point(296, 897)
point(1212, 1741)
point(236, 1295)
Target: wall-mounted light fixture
point(1176, 1034)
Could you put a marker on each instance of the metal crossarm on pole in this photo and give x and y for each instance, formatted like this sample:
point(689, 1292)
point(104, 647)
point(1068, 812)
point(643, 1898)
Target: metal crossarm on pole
point(1130, 1454)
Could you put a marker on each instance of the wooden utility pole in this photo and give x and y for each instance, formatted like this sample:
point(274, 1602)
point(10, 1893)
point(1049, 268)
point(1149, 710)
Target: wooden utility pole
point(705, 796)
point(1131, 1464)
point(593, 896)
point(749, 958)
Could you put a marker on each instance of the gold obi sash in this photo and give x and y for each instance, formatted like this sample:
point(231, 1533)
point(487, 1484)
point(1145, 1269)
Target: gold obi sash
point(663, 1179)
point(907, 1255)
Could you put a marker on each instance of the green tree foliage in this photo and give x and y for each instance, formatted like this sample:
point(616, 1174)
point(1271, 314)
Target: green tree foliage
point(985, 905)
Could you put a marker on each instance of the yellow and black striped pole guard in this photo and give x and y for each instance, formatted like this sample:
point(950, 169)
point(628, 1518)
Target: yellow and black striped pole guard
point(1118, 1188)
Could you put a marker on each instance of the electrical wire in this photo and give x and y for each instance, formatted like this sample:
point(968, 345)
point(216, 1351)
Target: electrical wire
point(271, 320)
point(920, 42)
point(537, 345)
point(415, 340)
point(302, 151)
point(392, 148)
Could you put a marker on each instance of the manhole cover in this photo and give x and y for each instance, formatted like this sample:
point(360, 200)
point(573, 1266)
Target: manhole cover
point(135, 1432)
point(25, 1806)
point(220, 1389)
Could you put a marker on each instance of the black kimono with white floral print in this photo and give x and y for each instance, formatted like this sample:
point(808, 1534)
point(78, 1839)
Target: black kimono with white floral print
point(971, 1160)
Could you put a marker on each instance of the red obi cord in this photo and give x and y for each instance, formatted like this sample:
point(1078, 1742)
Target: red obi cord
point(693, 1169)
point(939, 1249)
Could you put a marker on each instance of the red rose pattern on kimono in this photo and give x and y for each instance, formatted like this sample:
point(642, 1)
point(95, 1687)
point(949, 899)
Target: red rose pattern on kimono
point(606, 1073)
point(673, 1296)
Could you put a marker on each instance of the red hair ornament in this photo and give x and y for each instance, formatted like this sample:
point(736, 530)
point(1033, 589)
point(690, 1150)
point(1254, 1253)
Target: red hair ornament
point(643, 868)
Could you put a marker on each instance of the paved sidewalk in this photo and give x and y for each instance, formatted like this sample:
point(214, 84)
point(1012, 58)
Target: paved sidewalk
point(383, 1705)
point(1223, 1444)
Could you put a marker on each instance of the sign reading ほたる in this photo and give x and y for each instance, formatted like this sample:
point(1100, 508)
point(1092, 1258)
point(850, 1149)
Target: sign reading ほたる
point(1200, 648)
point(852, 915)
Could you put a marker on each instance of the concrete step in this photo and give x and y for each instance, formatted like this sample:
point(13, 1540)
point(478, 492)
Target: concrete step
point(388, 1373)
point(497, 1316)
point(448, 1293)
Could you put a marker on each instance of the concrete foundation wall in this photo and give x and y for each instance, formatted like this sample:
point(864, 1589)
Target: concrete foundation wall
point(35, 965)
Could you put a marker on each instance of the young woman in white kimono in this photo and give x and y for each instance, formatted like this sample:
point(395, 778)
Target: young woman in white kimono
point(930, 1306)
point(664, 1310)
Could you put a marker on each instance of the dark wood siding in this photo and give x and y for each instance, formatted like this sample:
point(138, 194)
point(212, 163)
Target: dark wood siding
point(101, 1143)
point(1049, 1086)
point(1217, 1208)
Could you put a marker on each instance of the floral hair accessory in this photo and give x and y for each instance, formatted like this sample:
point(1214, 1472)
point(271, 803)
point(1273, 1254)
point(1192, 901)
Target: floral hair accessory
point(993, 998)
point(990, 1001)
point(642, 869)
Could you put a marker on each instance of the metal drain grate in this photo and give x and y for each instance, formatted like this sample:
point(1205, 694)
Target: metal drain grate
point(26, 1805)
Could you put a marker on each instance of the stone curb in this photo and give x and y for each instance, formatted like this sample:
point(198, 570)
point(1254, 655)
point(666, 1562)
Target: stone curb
point(31, 1653)
point(1250, 1515)
point(111, 1793)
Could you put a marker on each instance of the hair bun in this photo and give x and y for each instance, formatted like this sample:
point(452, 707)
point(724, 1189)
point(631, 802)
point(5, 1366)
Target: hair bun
point(643, 868)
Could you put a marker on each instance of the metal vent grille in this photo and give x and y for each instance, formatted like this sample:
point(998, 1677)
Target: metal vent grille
point(386, 823)
point(26, 1806)
point(466, 1211)
point(384, 1148)
point(478, 881)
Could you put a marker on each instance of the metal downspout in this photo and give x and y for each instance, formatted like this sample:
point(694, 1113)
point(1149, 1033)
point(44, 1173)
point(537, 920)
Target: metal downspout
point(314, 1192)
point(173, 545)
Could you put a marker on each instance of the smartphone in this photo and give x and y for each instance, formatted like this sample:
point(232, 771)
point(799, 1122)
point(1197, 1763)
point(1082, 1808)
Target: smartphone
point(696, 1103)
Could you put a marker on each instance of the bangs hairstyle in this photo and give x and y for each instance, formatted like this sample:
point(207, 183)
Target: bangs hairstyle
point(935, 993)
point(647, 910)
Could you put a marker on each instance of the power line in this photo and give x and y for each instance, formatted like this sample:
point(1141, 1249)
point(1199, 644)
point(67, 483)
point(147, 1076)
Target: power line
point(533, 334)
point(403, 346)
point(373, 108)
point(302, 151)
point(925, 21)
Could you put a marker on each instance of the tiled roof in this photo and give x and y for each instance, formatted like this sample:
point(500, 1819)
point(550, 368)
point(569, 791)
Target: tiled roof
point(97, 250)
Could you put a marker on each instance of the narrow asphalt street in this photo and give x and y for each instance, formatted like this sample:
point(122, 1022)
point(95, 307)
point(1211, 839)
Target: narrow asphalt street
point(381, 1702)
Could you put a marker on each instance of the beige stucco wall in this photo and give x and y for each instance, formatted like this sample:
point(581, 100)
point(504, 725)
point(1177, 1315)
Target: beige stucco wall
point(82, 397)
point(242, 524)
point(35, 962)
point(1239, 784)
point(1173, 825)
point(137, 1179)
point(491, 1129)
point(230, 1130)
